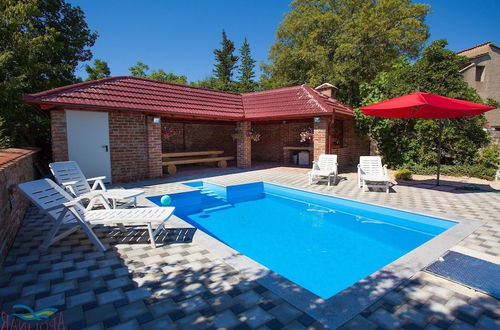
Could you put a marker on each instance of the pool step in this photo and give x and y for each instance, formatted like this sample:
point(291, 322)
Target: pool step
point(212, 201)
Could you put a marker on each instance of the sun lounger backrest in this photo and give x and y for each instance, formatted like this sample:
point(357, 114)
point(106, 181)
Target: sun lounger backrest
point(70, 171)
point(46, 194)
point(327, 162)
point(371, 165)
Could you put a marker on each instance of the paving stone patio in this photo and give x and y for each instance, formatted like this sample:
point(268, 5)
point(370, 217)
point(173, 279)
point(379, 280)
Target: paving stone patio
point(183, 285)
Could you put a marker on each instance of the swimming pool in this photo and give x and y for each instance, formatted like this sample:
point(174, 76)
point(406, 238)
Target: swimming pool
point(322, 243)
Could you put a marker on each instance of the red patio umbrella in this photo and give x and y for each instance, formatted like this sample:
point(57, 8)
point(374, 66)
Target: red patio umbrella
point(425, 106)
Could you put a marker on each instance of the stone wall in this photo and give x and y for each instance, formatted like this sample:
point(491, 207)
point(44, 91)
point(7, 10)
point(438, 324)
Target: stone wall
point(16, 166)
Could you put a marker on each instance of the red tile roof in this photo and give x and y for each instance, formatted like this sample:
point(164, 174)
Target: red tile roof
point(150, 96)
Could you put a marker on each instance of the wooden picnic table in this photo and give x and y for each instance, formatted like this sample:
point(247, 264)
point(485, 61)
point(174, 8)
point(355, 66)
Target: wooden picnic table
point(194, 157)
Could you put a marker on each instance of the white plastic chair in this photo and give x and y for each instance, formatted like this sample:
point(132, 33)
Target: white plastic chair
point(371, 173)
point(70, 176)
point(324, 169)
point(63, 209)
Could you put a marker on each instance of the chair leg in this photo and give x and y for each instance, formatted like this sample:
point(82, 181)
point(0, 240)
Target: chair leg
point(121, 227)
point(151, 236)
point(92, 236)
point(50, 236)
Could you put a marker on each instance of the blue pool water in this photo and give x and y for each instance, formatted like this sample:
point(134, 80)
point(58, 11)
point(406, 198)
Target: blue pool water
point(322, 243)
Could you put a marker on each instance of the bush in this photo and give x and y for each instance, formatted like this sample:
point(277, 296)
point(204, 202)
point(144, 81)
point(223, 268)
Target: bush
point(489, 156)
point(403, 174)
point(476, 171)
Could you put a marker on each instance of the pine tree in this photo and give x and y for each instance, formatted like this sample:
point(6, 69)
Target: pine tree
point(225, 63)
point(246, 69)
point(100, 70)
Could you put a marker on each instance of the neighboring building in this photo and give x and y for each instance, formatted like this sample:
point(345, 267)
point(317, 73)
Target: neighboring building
point(113, 126)
point(483, 74)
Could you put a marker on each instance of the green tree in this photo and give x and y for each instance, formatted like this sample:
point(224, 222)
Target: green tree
point(225, 63)
point(161, 75)
point(208, 82)
point(4, 139)
point(413, 141)
point(42, 42)
point(141, 70)
point(344, 42)
point(246, 69)
point(98, 71)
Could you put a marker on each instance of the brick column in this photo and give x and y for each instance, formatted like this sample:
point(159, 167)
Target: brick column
point(59, 136)
point(154, 148)
point(320, 141)
point(244, 145)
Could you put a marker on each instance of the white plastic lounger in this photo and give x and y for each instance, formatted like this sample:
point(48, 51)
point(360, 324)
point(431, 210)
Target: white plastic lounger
point(62, 208)
point(324, 169)
point(70, 176)
point(371, 173)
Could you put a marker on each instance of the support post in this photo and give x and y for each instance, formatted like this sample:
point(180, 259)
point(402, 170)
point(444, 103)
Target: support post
point(244, 145)
point(320, 141)
point(440, 133)
point(155, 169)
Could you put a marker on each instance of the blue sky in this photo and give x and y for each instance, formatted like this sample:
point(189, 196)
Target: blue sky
point(180, 36)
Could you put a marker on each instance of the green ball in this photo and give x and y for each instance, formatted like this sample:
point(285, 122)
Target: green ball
point(165, 200)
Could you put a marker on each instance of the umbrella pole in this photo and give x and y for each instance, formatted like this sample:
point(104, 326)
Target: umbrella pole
point(441, 127)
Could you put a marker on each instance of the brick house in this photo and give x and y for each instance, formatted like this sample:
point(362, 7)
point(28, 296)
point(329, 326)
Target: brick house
point(113, 126)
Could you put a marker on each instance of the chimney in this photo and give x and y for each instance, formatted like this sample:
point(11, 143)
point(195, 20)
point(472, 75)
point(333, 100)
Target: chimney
point(327, 89)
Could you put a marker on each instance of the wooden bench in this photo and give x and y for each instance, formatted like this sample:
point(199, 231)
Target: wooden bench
point(194, 157)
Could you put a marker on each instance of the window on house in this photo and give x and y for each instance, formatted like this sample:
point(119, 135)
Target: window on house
point(479, 72)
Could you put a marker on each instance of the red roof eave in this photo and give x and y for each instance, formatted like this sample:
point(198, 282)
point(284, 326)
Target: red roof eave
point(179, 101)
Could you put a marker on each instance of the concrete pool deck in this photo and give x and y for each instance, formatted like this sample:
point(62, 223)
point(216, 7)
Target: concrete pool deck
point(185, 284)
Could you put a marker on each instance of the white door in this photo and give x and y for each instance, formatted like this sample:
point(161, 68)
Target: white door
point(88, 142)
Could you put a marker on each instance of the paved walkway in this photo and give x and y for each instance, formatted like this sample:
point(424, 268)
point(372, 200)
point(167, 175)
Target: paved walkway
point(183, 285)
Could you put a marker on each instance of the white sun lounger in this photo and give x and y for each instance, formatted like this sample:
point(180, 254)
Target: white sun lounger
point(63, 209)
point(324, 169)
point(70, 176)
point(371, 173)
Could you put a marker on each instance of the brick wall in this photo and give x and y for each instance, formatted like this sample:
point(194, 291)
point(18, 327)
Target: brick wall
point(59, 135)
point(199, 137)
point(275, 136)
point(128, 147)
point(354, 147)
point(16, 166)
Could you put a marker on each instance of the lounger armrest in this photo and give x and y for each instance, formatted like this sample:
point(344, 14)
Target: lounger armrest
point(69, 183)
point(96, 178)
point(97, 182)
